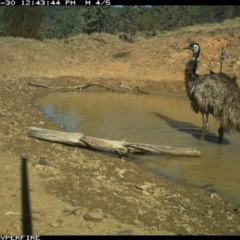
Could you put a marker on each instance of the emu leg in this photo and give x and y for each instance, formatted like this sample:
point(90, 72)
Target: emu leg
point(205, 125)
point(221, 133)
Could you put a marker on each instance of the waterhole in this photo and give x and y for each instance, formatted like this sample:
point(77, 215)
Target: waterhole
point(153, 119)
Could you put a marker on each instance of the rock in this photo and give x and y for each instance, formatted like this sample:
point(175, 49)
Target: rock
point(11, 213)
point(46, 169)
point(95, 215)
point(215, 224)
point(181, 208)
point(55, 225)
point(41, 122)
point(210, 188)
point(148, 184)
point(162, 218)
point(230, 217)
point(119, 171)
point(101, 177)
point(145, 193)
point(75, 203)
point(141, 187)
point(13, 194)
point(214, 195)
point(44, 163)
point(209, 213)
point(74, 159)
point(186, 200)
point(77, 211)
point(136, 221)
point(104, 169)
point(66, 212)
point(189, 229)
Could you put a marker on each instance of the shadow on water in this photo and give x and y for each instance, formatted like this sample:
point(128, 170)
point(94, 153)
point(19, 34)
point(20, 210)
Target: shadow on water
point(26, 209)
point(190, 128)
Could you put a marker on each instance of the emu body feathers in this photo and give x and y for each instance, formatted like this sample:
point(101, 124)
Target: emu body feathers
point(215, 93)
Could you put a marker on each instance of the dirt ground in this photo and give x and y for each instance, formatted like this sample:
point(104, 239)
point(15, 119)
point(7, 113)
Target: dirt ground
point(75, 191)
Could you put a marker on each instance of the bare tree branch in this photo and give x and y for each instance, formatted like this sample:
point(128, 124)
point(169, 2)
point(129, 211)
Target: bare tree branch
point(88, 84)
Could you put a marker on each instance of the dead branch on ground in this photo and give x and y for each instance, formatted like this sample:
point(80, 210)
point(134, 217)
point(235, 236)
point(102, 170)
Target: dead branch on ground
point(132, 88)
point(89, 83)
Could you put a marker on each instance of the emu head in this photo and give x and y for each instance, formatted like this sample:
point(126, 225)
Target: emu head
point(195, 49)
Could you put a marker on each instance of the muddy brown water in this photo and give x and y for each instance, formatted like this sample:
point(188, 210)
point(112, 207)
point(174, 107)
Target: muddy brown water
point(153, 119)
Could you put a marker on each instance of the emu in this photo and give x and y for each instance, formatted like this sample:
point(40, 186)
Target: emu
point(214, 93)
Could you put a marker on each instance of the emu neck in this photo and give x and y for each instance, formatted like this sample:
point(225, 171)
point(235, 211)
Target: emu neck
point(190, 70)
point(195, 58)
point(196, 54)
point(190, 76)
point(190, 73)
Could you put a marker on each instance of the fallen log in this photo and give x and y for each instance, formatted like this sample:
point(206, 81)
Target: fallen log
point(120, 147)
